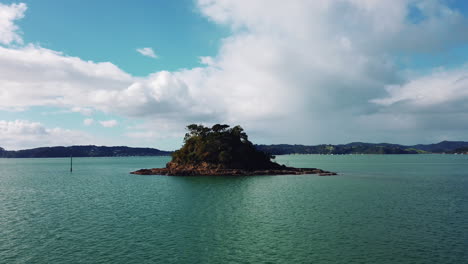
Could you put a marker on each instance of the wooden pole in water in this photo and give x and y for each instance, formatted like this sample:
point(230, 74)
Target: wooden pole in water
point(71, 159)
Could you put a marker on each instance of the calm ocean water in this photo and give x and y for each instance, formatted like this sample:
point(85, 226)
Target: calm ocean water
point(382, 209)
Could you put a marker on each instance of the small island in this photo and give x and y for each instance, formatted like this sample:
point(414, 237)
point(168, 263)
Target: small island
point(223, 151)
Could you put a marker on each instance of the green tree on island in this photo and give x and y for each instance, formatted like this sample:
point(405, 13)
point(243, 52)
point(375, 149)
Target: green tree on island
point(221, 146)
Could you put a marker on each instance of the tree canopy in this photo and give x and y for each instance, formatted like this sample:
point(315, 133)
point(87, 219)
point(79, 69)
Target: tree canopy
point(222, 146)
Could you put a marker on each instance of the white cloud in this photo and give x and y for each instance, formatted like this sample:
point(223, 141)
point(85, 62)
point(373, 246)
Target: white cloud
point(9, 32)
point(109, 123)
point(148, 52)
point(430, 108)
point(88, 121)
point(82, 110)
point(206, 60)
point(158, 128)
point(21, 134)
point(442, 87)
point(35, 76)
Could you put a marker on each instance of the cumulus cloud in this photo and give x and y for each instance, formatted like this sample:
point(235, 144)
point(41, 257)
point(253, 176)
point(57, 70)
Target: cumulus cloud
point(326, 68)
point(109, 123)
point(315, 65)
point(159, 128)
point(9, 31)
point(148, 52)
point(35, 76)
point(441, 88)
point(21, 134)
point(435, 102)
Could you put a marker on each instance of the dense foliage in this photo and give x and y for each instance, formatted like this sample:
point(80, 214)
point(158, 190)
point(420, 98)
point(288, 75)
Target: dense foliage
point(352, 148)
point(222, 146)
point(365, 148)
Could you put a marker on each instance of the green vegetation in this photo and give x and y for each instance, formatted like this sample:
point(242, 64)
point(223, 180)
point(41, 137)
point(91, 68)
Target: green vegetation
point(221, 146)
point(351, 148)
point(81, 151)
point(416, 151)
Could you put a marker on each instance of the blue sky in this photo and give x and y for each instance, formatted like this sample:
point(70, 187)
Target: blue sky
point(297, 72)
point(106, 31)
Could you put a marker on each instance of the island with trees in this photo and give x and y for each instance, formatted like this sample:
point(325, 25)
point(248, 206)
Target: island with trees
point(223, 151)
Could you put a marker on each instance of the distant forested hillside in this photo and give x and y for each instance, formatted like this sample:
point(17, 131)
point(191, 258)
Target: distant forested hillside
point(81, 151)
point(279, 149)
point(444, 146)
point(364, 148)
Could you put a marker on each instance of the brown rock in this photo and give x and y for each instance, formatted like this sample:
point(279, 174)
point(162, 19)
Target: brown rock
point(206, 169)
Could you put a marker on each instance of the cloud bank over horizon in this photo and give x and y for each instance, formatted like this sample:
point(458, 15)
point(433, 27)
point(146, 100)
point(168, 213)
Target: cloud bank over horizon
point(306, 72)
point(20, 134)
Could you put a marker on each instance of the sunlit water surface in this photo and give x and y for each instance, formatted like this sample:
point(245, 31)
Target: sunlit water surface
point(381, 209)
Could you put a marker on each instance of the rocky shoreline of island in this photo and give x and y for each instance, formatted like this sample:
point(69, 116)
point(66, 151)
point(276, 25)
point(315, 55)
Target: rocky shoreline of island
point(172, 169)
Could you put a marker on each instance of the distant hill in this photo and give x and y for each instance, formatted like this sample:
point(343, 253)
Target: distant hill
point(278, 149)
point(81, 151)
point(364, 148)
point(444, 146)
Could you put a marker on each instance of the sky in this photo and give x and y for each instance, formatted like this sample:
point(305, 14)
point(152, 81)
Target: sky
point(136, 73)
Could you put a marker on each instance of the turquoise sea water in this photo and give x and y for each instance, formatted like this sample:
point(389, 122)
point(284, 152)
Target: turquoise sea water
point(381, 209)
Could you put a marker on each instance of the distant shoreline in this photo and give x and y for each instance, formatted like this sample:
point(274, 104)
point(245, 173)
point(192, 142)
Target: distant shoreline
point(356, 148)
point(82, 152)
point(292, 154)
